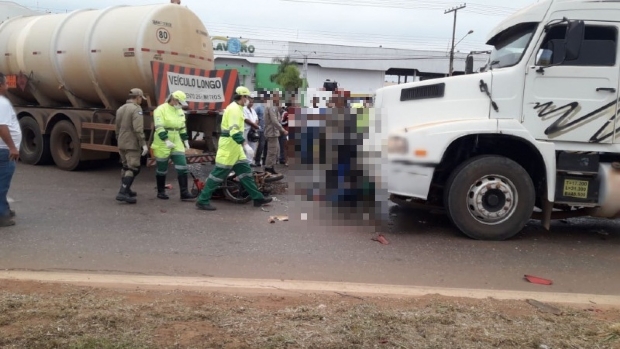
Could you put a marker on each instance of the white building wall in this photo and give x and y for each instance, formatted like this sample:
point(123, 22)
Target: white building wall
point(356, 81)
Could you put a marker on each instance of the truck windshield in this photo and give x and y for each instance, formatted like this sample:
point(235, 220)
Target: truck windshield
point(510, 45)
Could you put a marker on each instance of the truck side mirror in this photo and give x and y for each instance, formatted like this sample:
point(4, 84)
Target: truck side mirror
point(469, 65)
point(574, 38)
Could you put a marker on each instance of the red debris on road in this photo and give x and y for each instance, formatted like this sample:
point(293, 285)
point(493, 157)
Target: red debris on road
point(537, 280)
point(381, 239)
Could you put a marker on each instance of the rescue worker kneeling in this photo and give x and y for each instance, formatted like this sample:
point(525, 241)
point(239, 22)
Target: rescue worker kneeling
point(231, 156)
point(171, 141)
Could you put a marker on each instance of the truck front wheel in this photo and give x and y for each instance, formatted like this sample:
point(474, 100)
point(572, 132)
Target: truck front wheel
point(490, 198)
point(65, 144)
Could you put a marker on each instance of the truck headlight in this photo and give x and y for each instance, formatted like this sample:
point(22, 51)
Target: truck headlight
point(397, 145)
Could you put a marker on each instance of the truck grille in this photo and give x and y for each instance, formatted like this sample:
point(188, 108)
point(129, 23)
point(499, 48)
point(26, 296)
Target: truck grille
point(422, 92)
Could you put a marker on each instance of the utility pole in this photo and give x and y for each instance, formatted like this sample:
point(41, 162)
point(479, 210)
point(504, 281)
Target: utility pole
point(455, 10)
point(306, 63)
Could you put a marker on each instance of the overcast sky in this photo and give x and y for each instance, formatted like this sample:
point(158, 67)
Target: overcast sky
point(390, 23)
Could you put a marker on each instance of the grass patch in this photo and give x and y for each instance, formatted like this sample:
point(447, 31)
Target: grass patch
point(57, 316)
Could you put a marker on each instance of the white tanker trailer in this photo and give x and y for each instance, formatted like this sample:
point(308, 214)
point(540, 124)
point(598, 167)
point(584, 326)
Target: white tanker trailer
point(68, 73)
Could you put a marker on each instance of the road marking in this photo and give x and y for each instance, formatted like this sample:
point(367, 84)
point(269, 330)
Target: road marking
point(214, 284)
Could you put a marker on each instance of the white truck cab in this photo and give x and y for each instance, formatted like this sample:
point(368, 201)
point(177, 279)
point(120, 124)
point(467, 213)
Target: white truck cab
point(534, 135)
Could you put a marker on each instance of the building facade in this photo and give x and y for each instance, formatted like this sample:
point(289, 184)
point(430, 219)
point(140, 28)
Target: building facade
point(357, 69)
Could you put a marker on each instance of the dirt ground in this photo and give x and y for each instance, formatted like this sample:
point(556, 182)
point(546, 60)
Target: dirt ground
point(41, 315)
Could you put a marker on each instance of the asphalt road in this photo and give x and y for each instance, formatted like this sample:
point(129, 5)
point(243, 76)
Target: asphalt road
point(69, 221)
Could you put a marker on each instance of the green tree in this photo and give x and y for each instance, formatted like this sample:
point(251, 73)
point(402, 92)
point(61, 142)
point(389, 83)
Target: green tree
point(288, 74)
point(290, 79)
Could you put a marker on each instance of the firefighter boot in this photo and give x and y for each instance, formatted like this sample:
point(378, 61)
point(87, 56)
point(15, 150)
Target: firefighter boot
point(161, 188)
point(130, 192)
point(123, 193)
point(185, 194)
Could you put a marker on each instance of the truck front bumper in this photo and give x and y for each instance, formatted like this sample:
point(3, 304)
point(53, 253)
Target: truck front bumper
point(410, 179)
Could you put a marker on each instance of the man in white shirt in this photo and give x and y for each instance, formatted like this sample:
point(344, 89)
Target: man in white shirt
point(251, 121)
point(10, 140)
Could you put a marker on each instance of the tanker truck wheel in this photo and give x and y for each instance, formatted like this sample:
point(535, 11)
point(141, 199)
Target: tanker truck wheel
point(490, 198)
point(65, 145)
point(35, 147)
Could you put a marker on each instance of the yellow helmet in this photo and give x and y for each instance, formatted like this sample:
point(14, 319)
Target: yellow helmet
point(181, 97)
point(243, 91)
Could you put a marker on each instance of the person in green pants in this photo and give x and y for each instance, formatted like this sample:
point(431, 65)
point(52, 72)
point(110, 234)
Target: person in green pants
point(231, 156)
point(170, 142)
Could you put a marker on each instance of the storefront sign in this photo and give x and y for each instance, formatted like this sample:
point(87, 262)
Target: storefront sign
point(232, 46)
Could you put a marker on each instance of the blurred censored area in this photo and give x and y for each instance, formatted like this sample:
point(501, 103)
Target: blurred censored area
point(334, 149)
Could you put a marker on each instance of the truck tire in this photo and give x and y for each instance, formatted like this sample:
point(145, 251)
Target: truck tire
point(65, 146)
point(35, 147)
point(490, 198)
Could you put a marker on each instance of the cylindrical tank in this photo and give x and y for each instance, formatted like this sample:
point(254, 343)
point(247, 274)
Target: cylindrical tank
point(99, 55)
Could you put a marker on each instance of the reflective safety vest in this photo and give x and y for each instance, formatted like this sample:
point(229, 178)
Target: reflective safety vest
point(229, 151)
point(363, 119)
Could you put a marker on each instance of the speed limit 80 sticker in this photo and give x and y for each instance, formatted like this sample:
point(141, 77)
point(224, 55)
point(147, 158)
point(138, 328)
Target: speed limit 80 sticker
point(163, 35)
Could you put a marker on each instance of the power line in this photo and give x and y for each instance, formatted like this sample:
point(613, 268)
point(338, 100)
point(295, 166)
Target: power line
point(385, 42)
point(419, 42)
point(319, 35)
point(401, 40)
point(480, 9)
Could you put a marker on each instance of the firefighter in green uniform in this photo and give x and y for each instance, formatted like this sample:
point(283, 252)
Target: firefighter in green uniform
point(231, 155)
point(170, 142)
point(131, 143)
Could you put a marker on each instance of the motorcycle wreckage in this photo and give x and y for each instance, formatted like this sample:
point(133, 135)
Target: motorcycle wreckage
point(233, 191)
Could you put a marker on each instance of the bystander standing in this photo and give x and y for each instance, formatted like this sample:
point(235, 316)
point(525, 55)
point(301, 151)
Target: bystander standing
point(251, 122)
point(261, 149)
point(273, 130)
point(284, 138)
point(10, 140)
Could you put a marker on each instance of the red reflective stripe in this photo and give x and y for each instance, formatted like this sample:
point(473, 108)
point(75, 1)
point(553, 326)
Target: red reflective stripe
point(201, 58)
point(146, 50)
point(131, 49)
point(210, 60)
point(160, 52)
point(192, 56)
point(174, 53)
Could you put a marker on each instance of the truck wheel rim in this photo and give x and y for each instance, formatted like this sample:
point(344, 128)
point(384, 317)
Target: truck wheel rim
point(66, 147)
point(29, 141)
point(492, 199)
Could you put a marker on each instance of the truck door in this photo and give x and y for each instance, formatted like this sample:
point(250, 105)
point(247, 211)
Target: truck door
point(574, 101)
